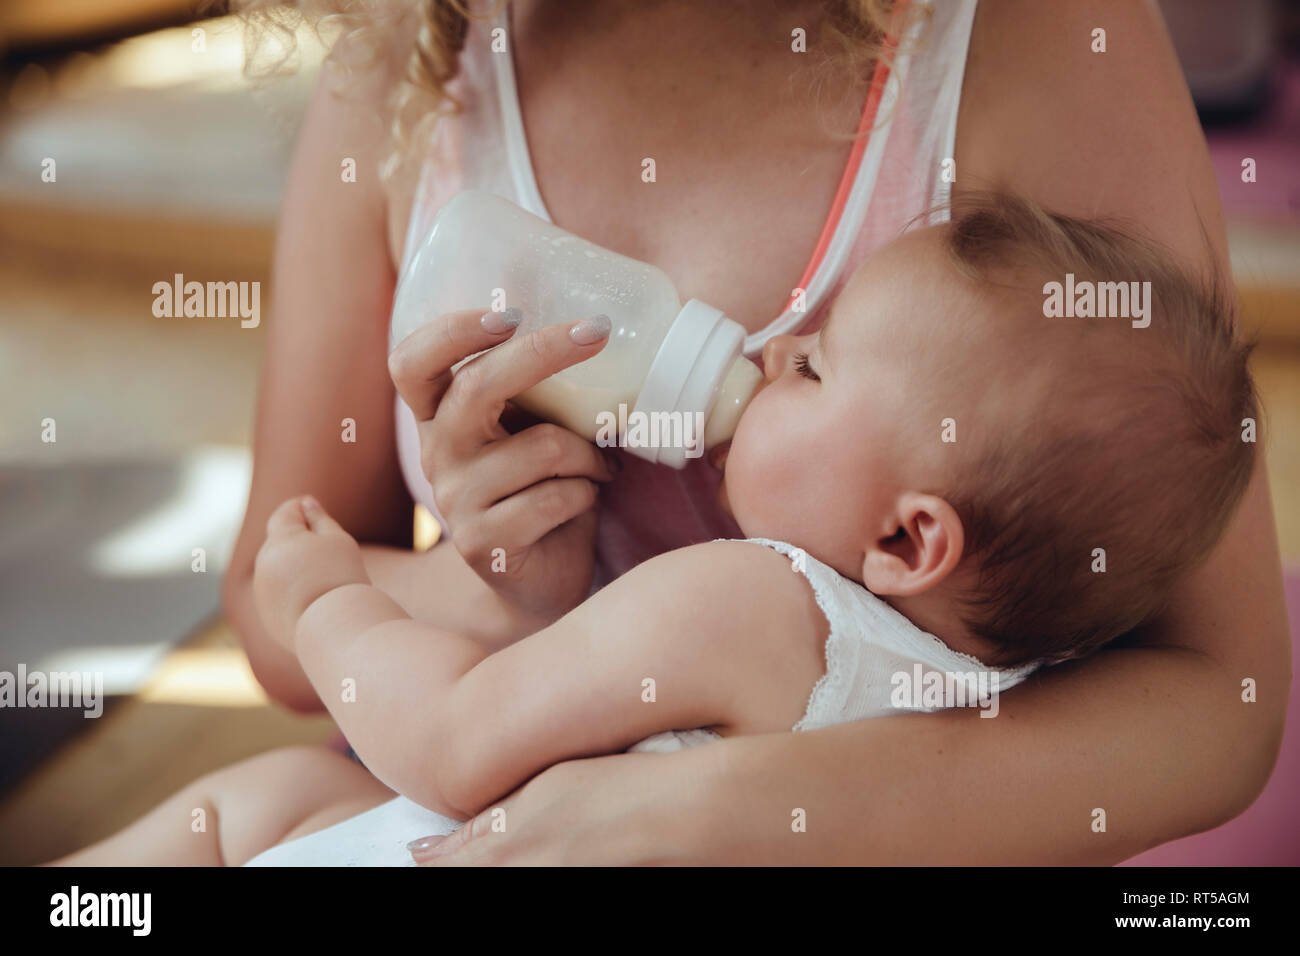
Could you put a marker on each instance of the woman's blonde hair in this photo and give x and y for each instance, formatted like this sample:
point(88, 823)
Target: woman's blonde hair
point(432, 36)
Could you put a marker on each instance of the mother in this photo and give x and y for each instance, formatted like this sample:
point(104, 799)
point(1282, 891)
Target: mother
point(1015, 94)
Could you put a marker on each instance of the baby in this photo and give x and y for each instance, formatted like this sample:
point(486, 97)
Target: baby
point(964, 487)
point(971, 487)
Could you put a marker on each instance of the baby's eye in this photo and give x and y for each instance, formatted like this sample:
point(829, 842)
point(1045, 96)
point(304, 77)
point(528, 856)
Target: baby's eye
point(802, 367)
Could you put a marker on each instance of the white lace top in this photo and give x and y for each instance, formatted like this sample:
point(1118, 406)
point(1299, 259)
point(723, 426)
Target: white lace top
point(872, 658)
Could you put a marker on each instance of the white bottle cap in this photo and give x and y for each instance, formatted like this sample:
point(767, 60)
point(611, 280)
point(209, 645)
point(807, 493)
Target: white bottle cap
point(685, 377)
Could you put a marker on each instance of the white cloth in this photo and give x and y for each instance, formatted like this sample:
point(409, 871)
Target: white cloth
point(870, 650)
point(379, 837)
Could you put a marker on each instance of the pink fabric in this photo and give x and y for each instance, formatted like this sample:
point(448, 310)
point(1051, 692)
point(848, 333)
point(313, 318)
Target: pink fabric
point(1268, 833)
point(1273, 141)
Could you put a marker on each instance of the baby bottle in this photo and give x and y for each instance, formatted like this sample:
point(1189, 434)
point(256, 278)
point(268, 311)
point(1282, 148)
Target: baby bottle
point(671, 381)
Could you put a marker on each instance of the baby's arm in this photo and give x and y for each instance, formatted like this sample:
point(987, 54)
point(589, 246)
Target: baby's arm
point(728, 633)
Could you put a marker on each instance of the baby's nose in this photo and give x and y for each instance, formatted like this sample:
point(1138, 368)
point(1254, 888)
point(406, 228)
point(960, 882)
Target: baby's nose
point(776, 355)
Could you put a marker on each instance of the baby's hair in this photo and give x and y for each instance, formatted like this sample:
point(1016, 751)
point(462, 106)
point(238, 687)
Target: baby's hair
point(1133, 441)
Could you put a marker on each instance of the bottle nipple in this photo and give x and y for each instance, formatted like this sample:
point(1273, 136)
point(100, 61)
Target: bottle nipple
point(737, 388)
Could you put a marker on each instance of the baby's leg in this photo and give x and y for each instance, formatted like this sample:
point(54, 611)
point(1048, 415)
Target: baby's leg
point(247, 808)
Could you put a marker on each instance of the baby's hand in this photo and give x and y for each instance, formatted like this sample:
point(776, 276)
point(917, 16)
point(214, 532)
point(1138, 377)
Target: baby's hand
point(306, 554)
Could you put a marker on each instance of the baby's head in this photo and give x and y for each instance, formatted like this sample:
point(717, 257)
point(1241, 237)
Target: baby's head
point(1027, 487)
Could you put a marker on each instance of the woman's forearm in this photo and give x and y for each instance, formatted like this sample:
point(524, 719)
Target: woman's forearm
point(275, 668)
point(1163, 739)
point(1127, 733)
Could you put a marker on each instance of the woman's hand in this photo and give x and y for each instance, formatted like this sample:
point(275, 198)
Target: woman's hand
point(520, 507)
point(306, 554)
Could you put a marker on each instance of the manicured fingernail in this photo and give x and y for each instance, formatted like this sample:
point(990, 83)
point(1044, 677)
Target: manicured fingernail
point(591, 330)
point(425, 847)
point(499, 322)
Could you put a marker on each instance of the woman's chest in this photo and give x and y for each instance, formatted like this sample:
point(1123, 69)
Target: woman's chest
point(729, 205)
point(720, 170)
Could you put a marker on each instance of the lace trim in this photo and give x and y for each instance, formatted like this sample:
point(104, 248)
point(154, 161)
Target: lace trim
point(833, 678)
point(828, 588)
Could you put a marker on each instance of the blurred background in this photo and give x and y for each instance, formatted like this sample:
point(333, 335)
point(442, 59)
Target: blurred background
point(167, 160)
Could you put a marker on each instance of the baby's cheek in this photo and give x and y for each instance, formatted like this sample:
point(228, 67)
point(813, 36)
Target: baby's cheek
point(762, 474)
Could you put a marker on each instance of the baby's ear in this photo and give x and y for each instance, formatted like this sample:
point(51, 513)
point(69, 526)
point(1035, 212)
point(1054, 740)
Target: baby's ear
point(920, 544)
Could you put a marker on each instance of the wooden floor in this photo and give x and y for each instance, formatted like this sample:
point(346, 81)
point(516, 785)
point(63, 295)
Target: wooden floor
point(203, 710)
point(1276, 368)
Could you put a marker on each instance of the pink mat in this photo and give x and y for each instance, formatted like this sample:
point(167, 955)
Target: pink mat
point(1268, 834)
point(1273, 141)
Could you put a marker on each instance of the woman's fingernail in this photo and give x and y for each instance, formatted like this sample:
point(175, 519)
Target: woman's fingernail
point(591, 330)
point(425, 847)
point(498, 322)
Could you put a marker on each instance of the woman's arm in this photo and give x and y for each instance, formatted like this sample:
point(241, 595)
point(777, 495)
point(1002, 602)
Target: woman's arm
point(1157, 736)
point(1105, 135)
point(326, 360)
point(1115, 134)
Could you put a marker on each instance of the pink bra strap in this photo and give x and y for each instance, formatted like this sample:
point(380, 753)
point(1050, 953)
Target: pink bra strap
point(878, 80)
